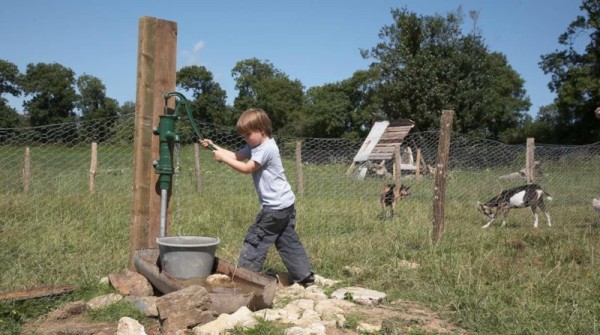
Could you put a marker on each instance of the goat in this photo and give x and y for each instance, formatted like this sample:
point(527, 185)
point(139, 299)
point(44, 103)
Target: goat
point(531, 195)
point(391, 194)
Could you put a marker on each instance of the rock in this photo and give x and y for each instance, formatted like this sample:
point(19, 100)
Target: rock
point(68, 310)
point(324, 281)
point(185, 308)
point(268, 314)
point(329, 309)
point(103, 301)
point(243, 317)
point(129, 326)
point(128, 282)
point(359, 295)
point(146, 305)
point(218, 278)
point(368, 328)
point(315, 293)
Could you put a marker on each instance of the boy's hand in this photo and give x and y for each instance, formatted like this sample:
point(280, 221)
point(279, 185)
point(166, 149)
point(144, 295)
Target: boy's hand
point(219, 155)
point(208, 144)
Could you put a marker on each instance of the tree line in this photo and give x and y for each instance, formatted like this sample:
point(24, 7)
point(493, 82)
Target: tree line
point(422, 64)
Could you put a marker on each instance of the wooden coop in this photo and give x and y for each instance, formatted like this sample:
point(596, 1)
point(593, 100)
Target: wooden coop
point(383, 145)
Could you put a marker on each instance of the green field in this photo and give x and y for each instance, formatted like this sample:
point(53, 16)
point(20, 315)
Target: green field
point(500, 280)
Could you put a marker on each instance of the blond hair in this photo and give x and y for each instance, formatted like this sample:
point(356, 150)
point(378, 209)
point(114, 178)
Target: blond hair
point(254, 119)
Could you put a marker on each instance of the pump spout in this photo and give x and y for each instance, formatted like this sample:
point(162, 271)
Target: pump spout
point(164, 165)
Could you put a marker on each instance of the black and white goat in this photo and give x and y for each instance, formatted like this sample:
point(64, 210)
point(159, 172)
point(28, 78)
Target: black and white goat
point(531, 195)
point(390, 195)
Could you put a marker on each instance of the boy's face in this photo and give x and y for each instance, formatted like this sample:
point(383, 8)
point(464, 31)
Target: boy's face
point(254, 138)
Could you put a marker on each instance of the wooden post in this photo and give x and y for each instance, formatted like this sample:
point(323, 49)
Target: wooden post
point(418, 167)
point(93, 164)
point(441, 175)
point(156, 71)
point(299, 175)
point(530, 161)
point(26, 170)
point(197, 167)
point(397, 170)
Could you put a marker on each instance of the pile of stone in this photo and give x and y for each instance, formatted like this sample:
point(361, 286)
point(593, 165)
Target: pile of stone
point(186, 311)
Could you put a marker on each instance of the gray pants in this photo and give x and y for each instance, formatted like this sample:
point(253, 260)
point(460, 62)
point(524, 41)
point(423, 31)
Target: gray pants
point(275, 227)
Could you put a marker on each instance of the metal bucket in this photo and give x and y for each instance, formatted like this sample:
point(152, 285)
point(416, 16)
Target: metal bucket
point(186, 257)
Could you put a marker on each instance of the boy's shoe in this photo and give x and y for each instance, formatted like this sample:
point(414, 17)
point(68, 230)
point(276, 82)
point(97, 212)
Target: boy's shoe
point(271, 273)
point(308, 281)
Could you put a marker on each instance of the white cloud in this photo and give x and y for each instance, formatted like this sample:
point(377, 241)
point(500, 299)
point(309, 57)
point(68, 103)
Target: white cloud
point(198, 46)
point(192, 57)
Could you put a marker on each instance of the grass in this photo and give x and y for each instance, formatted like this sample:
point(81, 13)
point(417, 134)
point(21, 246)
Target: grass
point(501, 280)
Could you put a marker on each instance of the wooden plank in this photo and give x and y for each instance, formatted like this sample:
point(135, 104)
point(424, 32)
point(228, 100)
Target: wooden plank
point(371, 141)
point(37, 292)
point(380, 156)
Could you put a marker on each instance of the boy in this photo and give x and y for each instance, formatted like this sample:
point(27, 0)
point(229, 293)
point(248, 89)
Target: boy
point(276, 220)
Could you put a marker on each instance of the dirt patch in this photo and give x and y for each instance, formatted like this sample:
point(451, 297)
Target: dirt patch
point(80, 325)
point(398, 317)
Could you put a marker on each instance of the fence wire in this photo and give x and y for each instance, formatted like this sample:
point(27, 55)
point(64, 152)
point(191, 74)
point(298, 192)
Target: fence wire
point(45, 192)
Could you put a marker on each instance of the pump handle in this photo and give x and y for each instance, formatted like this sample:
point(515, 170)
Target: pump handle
point(188, 111)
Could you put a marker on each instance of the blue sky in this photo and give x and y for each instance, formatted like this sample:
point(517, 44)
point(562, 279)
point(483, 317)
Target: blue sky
point(314, 41)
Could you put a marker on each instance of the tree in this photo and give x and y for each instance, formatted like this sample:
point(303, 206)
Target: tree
point(575, 78)
point(344, 109)
point(326, 110)
point(261, 85)
point(128, 107)
point(425, 64)
point(53, 94)
point(9, 78)
point(247, 74)
point(92, 100)
point(543, 128)
point(209, 99)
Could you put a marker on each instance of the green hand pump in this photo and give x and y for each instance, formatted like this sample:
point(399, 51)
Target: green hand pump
point(167, 139)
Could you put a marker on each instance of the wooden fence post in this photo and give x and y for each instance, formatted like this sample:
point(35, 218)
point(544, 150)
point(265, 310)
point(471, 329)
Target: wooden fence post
point(26, 170)
point(441, 175)
point(530, 161)
point(197, 175)
point(299, 175)
point(93, 165)
point(418, 165)
point(397, 170)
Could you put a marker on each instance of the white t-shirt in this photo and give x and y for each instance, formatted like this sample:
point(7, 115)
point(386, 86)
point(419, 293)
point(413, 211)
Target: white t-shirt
point(271, 185)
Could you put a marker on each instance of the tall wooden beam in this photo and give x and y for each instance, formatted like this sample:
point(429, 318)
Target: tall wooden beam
point(156, 75)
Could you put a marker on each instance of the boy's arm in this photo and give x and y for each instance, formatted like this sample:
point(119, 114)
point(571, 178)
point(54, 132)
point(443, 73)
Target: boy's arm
point(236, 162)
point(234, 159)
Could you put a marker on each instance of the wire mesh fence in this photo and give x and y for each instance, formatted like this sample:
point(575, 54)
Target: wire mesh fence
point(51, 218)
